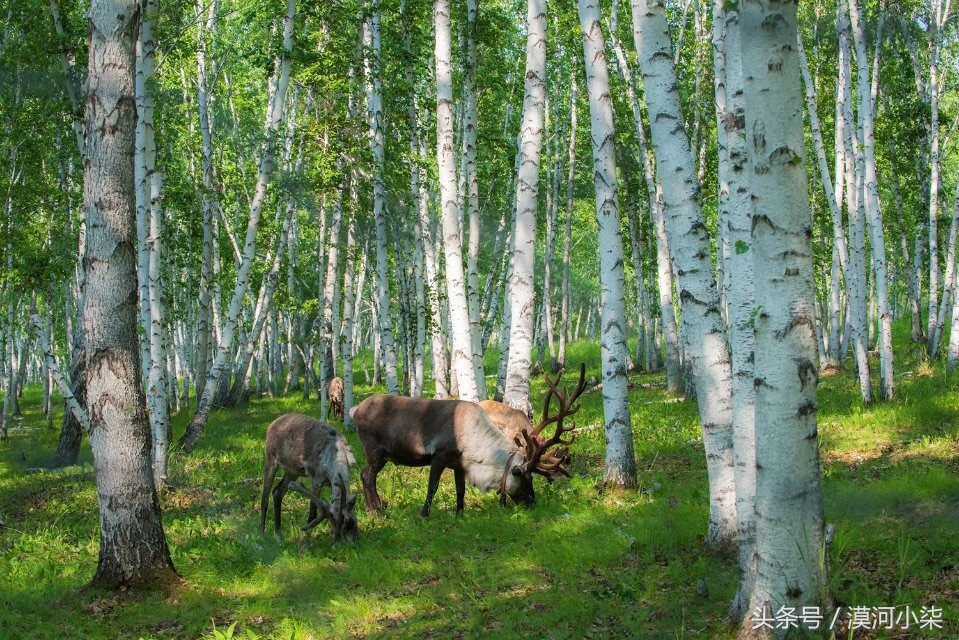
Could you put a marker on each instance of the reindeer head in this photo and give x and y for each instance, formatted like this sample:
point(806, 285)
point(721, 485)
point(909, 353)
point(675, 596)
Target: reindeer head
point(545, 457)
point(342, 518)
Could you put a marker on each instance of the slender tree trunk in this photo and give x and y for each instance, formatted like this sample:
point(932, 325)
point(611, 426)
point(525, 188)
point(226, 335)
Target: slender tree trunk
point(346, 342)
point(148, 229)
point(840, 250)
point(789, 508)
point(564, 309)
point(703, 329)
point(133, 547)
point(856, 262)
point(208, 201)
point(620, 460)
point(871, 200)
point(374, 106)
point(279, 83)
point(521, 289)
point(949, 281)
point(939, 13)
point(471, 197)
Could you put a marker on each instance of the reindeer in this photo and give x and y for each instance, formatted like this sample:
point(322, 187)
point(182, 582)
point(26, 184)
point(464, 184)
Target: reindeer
point(458, 435)
point(334, 392)
point(304, 446)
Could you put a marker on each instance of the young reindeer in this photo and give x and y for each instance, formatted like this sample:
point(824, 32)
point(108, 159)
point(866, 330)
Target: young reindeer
point(458, 435)
point(334, 392)
point(304, 446)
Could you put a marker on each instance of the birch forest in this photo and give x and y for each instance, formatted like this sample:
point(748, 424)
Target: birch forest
point(713, 207)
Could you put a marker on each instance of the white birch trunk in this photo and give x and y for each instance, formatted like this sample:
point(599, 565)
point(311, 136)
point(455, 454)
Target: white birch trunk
point(346, 341)
point(466, 375)
point(939, 13)
point(521, 289)
point(856, 261)
point(867, 114)
point(374, 105)
point(735, 200)
point(789, 508)
point(564, 309)
point(148, 229)
point(471, 198)
point(204, 326)
point(620, 467)
point(703, 329)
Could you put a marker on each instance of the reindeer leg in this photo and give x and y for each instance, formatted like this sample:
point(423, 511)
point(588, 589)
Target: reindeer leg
point(436, 470)
point(368, 476)
point(269, 471)
point(459, 477)
point(278, 501)
point(316, 491)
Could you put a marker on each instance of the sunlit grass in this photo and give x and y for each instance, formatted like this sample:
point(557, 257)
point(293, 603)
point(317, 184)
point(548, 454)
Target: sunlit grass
point(583, 562)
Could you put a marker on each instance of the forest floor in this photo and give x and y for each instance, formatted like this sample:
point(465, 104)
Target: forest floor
point(581, 563)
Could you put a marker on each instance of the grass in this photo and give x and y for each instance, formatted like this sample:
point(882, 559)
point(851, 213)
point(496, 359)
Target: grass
point(582, 563)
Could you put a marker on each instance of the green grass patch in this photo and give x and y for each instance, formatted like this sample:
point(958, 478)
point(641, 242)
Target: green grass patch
point(581, 563)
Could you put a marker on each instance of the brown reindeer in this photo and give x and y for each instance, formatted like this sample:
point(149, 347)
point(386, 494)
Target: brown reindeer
point(304, 446)
point(334, 392)
point(458, 435)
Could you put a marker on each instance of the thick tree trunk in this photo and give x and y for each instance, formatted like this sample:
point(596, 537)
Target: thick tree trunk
point(703, 330)
point(735, 202)
point(467, 376)
point(789, 508)
point(620, 467)
point(133, 548)
point(521, 289)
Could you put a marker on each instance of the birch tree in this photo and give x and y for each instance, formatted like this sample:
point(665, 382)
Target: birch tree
point(856, 261)
point(374, 106)
point(148, 214)
point(735, 214)
point(521, 289)
point(703, 329)
point(133, 547)
point(467, 377)
point(870, 195)
point(620, 460)
point(789, 510)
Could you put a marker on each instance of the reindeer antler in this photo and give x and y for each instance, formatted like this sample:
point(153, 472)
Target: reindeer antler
point(323, 507)
point(540, 459)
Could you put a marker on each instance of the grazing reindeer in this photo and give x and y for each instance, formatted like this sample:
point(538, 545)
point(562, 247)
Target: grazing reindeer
point(458, 435)
point(304, 446)
point(334, 392)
